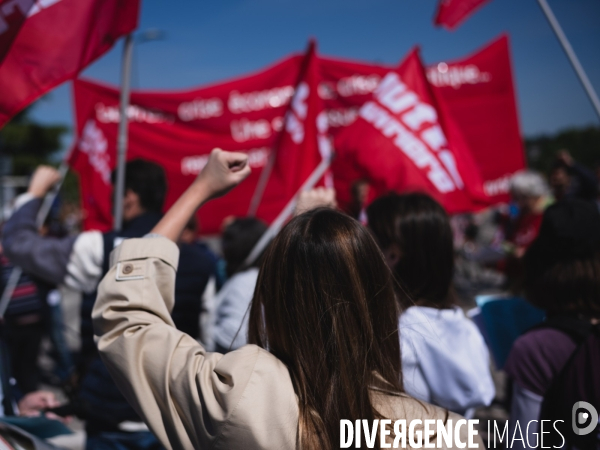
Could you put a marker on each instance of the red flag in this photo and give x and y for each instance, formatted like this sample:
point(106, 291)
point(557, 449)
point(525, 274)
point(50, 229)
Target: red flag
point(452, 13)
point(58, 40)
point(401, 142)
point(478, 93)
point(304, 142)
point(12, 16)
point(179, 129)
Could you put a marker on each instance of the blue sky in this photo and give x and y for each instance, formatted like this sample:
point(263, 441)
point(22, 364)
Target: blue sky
point(207, 41)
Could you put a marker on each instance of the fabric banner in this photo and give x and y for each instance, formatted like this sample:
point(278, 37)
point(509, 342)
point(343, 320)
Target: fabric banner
point(247, 114)
point(401, 142)
point(179, 130)
point(58, 39)
point(12, 16)
point(451, 13)
point(478, 92)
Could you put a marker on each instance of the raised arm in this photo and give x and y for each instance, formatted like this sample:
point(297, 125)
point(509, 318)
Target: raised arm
point(188, 397)
point(75, 261)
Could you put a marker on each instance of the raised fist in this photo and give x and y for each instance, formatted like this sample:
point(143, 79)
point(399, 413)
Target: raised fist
point(223, 172)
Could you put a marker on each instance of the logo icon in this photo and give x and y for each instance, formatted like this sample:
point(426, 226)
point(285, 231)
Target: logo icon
point(585, 418)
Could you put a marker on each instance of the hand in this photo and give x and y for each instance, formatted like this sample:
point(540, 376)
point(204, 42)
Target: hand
point(565, 157)
point(42, 181)
point(223, 172)
point(36, 402)
point(315, 198)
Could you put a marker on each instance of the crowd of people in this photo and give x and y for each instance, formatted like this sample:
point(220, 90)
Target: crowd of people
point(356, 317)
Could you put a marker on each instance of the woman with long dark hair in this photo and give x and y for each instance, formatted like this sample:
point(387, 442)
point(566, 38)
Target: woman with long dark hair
point(444, 357)
point(322, 321)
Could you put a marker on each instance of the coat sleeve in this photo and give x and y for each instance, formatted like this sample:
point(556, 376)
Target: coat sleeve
point(188, 397)
point(73, 260)
point(44, 257)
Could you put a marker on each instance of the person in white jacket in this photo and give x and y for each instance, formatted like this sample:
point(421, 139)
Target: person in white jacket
point(444, 358)
point(230, 328)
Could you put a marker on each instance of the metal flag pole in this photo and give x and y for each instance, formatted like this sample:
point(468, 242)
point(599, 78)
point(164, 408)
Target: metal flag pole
point(16, 273)
point(571, 55)
point(262, 182)
point(285, 214)
point(119, 191)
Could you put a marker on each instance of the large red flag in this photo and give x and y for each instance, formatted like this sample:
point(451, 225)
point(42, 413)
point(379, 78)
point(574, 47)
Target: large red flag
point(304, 142)
point(179, 129)
point(12, 16)
point(58, 40)
point(451, 13)
point(478, 92)
point(401, 142)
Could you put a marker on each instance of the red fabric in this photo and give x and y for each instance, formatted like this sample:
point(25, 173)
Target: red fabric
point(478, 93)
point(304, 142)
point(58, 40)
point(178, 130)
point(12, 16)
point(247, 113)
point(525, 228)
point(401, 142)
point(451, 13)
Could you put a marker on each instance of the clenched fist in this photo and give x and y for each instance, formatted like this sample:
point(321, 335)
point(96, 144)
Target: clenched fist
point(223, 172)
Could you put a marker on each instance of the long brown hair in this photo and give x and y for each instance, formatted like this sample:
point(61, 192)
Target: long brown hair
point(330, 315)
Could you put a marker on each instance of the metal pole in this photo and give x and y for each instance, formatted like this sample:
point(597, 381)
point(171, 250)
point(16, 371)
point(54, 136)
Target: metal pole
point(15, 274)
point(286, 212)
point(571, 55)
point(262, 182)
point(119, 189)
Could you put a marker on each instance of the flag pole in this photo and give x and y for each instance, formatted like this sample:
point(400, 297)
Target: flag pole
point(262, 182)
point(285, 214)
point(119, 191)
point(16, 273)
point(571, 55)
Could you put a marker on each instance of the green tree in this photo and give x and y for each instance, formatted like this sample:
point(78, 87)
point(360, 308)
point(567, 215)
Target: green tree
point(582, 143)
point(29, 143)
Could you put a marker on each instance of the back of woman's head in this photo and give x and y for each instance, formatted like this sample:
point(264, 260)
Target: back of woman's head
point(238, 240)
point(330, 316)
point(417, 228)
point(562, 266)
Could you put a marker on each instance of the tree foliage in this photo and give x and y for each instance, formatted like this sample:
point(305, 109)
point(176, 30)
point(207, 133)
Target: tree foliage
point(582, 143)
point(29, 143)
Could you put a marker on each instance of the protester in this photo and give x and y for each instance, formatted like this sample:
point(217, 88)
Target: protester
point(324, 307)
point(444, 358)
point(79, 262)
point(23, 326)
point(568, 179)
point(529, 192)
point(472, 276)
point(230, 329)
point(563, 278)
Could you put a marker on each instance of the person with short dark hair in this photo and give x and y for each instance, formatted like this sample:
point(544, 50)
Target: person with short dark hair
point(571, 180)
point(444, 358)
point(562, 277)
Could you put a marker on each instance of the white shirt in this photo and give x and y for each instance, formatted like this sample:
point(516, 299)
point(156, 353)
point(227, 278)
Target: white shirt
point(444, 359)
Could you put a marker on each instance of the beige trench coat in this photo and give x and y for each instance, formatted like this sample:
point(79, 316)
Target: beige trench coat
point(190, 398)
